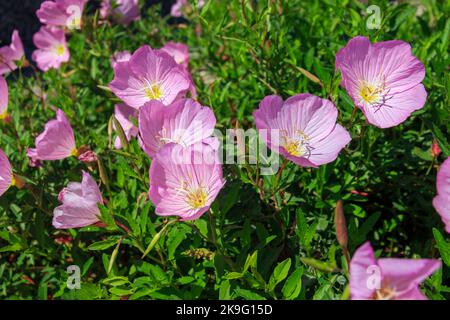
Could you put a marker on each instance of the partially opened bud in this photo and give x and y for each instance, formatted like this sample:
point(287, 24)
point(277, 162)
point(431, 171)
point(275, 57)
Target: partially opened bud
point(435, 150)
point(340, 224)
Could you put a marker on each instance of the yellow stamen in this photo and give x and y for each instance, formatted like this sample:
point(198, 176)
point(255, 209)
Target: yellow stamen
point(4, 115)
point(385, 293)
point(13, 180)
point(197, 199)
point(74, 152)
point(153, 92)
point(370, 93)
point(59, 49)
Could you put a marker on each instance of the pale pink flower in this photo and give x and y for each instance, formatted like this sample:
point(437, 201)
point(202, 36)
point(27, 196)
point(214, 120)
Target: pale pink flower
point(52, 48)
point(56, 142)
point(178, 51)
point(79, 204)
point(185, 188)
point(62, 13)
point(383, 79)
point(123, 114)
point(179, 7)
point(388, 278)
point(442, 201)
point(149, 75)
point(10, 55)
point(3, 99)
point(6, 175)
point(303, 128)
point(121, 11)
point(184, 122)
point(121, 56)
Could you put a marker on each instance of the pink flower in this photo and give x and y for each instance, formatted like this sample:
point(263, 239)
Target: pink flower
point(121, 11)
point(6, 175)
point(3, 99)
point(442, 201)
point(121, 56)
point(11, 54)
point(178, 51)
point(62, 13)
point(303, 128)
point(79, 204)
point(185, 188)
point(123, 113)
point(184, 122)
point(179, 6)
point(389, 278)
point(56, 142)
point(383, 79)
point(149, 75)
point(52, 48)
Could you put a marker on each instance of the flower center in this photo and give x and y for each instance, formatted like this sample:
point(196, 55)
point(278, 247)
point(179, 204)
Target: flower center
point(371, 93)
point(298, 145)
point(196, 198)
point(153, 92)
point(74, 152)
point(385, 293)
point(4, 115)
point(59, 49)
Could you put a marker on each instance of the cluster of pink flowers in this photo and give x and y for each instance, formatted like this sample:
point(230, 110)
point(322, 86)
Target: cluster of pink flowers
point(176, 132)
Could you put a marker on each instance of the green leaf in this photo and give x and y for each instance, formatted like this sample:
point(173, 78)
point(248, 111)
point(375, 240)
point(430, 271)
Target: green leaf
point(279, 273)
point(316, 264)
point(248, 295)
point(293, 285)
point(102, 245)
point(443, 246)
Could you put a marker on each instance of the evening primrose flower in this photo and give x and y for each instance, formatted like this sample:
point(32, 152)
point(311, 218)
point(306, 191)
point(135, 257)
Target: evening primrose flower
point(52, 48)
point(383, 79)
point(62, 13)
point(121, 11)
point(79, 204)
point(6, 175)
point(185, 181)
point(442, 201)
point(12, 54)
point(3, 100)
point(184, 122)
point(149, 75)
point(388, 278)
point(303, 128)
point(56, 142)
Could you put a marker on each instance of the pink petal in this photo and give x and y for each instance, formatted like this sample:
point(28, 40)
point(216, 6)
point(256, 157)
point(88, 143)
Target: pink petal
point(362, 262)
point(5, 173)
point(3, 96)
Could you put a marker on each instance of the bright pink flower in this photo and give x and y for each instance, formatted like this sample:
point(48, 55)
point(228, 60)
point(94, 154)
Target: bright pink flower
point(442, 201)
point(79, 204)
point(3, 99)
point(62, 13)
point(9, 55)
point(6, 175)
point(185, 181)
point(123, 114)
point(121, 11)
point(303, 128)
point(184, 122)
point(389, 278)
point(52, 48)
point(56, 142)
point(149, 75)
point(383, 79)
point(178, 51)
point(121, 56)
